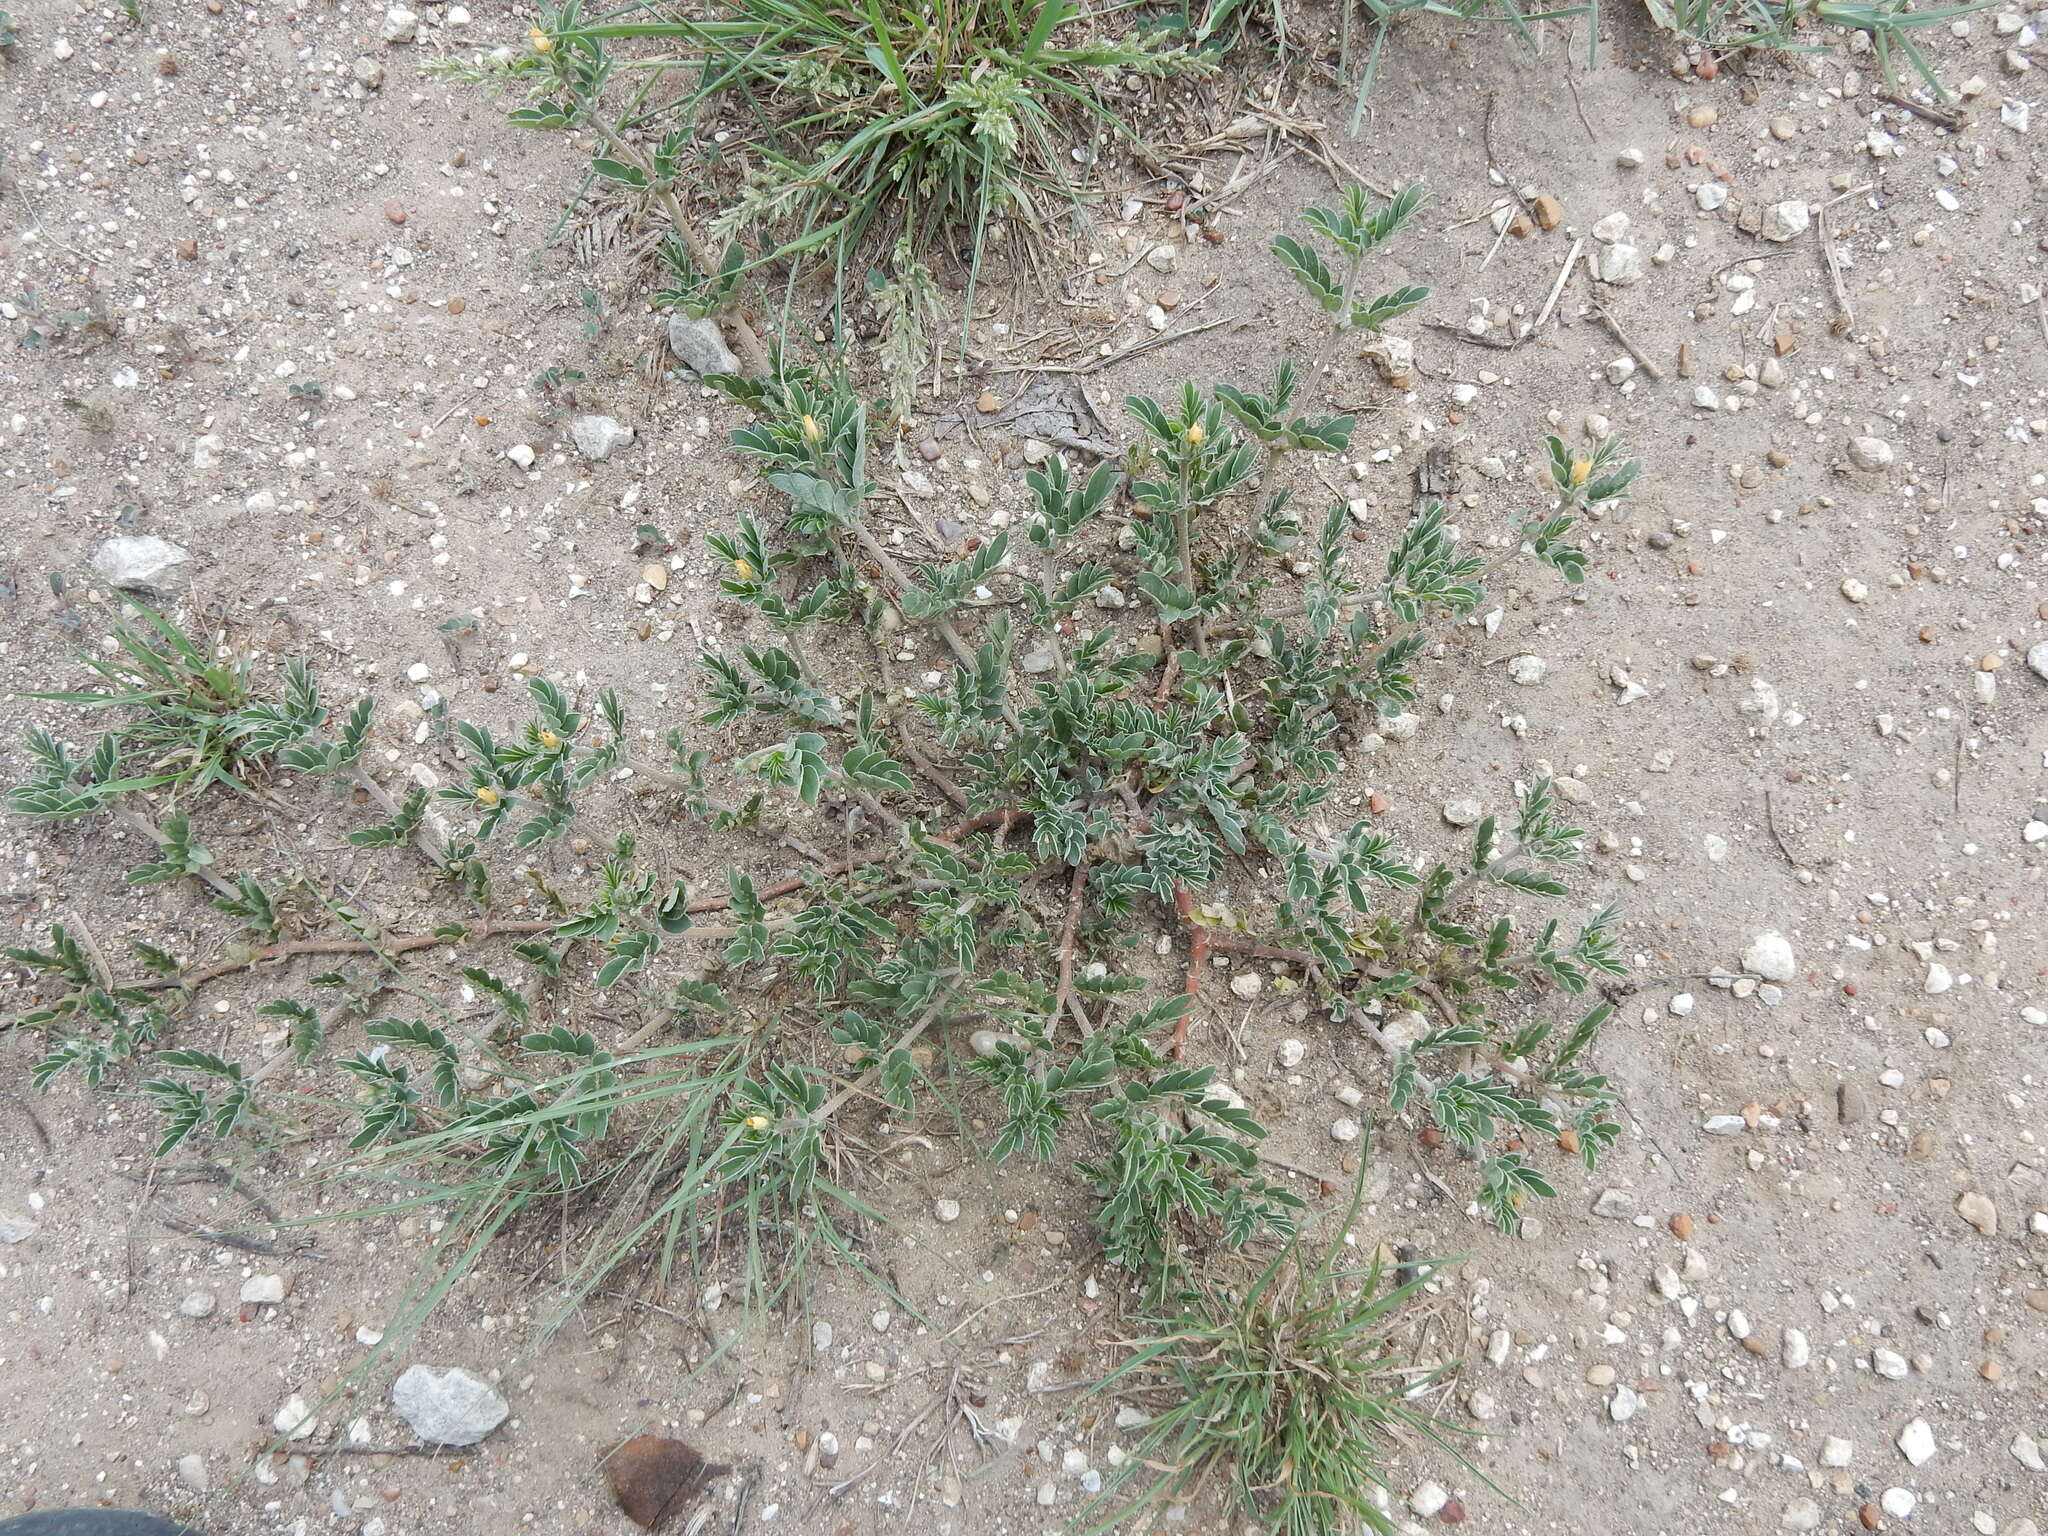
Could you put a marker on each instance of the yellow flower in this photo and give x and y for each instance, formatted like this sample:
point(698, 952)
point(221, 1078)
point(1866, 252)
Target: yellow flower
point(1580, 469)
point(813, 433)
point(487, 796)
point(1195, 436)
point(744, 569)
point(757, 1122)
point(550, 740)
point(542, 43)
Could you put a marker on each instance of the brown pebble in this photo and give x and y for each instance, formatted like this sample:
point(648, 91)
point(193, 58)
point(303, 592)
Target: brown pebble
point(1921, 1147)
point(1753, 1344)
point(1212, 234)
point(1991, 1370)
point(188, 250)
point(1685, 359)
point(1453, 1512)
point(1868, 1515)
point(1520, 227)
point(1167, 298)
point(1703, 117)
point(2038, 1300)
point(1681, 1226)
point(1377, 803)
point(988, 402)
point(1779, 458)
point(1548, 210)
point(457, 306)
point(1784, 343)
point(929, 450)
point(394, 210)
point(1850, 1107)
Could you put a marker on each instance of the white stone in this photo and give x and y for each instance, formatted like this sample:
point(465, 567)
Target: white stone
point(1162, 258)
point(1292, 1053)
point(264, 1290)
point(1916, 1442)
point(1527, 671)
point(1770, 956)
point(1785, 221)
point(1870, 453)
point(1344, 1130)
point(1939, 979)
point(1428, 1499)
point(597, 436)
point(1800, 1515)
point(294, 1420)
point(1836, 1452)
point(1610, 227)
point(1621, 370)
point(521, 454)
point(1889, 1364)
point(447, 1406)
point(1681, 1006)
point(135, 559)
point(192, 1472)
point(1710, 195)
point(15, 1229)
point(399, 26)
point(1623, 1405)
point(1899, 1503)
point(1794, 1352)
point(1854, 590)
point(947, 1211)
point(1463, 813)
point(198, 1304)
point(1246, 985)
point(1621, 265)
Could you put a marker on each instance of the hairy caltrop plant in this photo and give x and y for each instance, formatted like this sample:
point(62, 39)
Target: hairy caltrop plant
point(999, 845)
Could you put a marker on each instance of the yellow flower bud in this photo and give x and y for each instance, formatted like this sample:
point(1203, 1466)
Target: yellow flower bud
point(757, 1122)
point(1195, 436)
point(813, 433)
point(542, 43)
point(744, 569)
point(550, 740)
point(1580, 469)
point(487, 796)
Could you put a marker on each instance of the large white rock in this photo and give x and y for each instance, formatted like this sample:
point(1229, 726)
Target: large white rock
point(447, 1407)
point(1785, 221)
point(133, 560)
point(1770, 956)
point(700, 346)
point(597, 436)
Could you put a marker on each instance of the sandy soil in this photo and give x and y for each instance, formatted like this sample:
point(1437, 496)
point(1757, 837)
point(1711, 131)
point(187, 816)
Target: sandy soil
point(347, 288)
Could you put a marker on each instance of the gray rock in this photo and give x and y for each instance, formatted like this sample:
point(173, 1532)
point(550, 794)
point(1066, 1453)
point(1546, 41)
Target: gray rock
point(700, 346)
point(192, 1473)
point(447, 1407)
point(1463, 813)
point(1785, 221)
point(1870, 453)
point(198, 1304)
point(264, 1290)
point(1039, 658)
point(1615, 1205)
point(1916, 1442)
point(134, 559)
point(1770, 956)
point(399, 26)
point(1620, 264)
point(2037, 659)
point(15, 1229)
point(597, 436)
